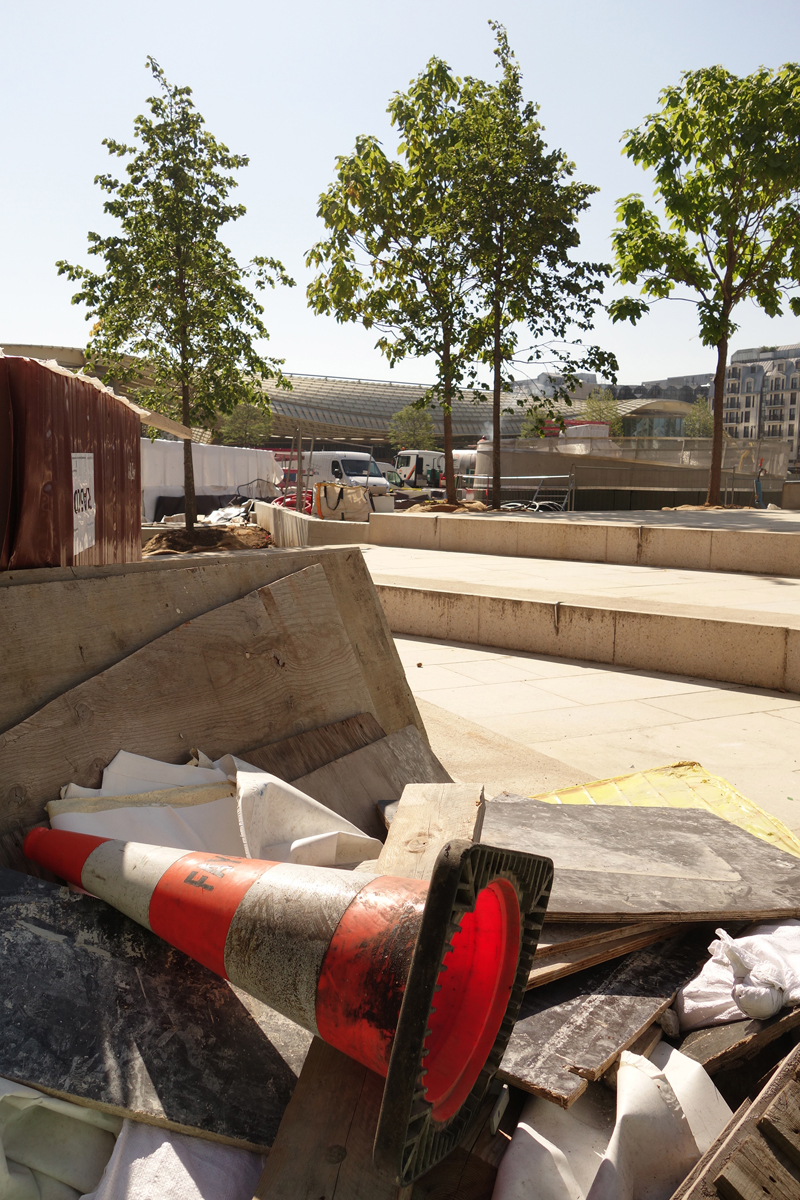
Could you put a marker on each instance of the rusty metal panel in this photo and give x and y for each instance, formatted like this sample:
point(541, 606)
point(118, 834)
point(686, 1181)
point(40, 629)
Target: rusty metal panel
point(76, 494)
point(6, 465)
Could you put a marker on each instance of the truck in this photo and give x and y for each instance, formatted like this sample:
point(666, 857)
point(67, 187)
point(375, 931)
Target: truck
point(420, 468)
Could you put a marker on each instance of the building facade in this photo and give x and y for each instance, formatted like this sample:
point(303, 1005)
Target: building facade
point(762, 387)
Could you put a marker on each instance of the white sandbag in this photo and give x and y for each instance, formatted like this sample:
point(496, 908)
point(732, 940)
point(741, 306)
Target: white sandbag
point(748, 977)
point(50, 1149)
point(149, 1163)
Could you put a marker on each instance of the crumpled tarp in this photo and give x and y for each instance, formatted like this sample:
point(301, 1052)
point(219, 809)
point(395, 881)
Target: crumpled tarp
point(50, 1149)
point(265, 818)
point(668, 1113)
point(747, 977)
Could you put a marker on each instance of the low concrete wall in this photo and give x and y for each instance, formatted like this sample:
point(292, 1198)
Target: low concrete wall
point(291, 529)
point(756, 655)
point(791, 494)
point(753, 552)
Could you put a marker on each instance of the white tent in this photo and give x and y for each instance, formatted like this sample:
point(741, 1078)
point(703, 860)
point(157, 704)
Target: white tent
point(218, 471)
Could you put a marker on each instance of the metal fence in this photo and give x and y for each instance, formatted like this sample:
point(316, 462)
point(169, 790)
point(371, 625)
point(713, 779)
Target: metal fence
point(543, 493)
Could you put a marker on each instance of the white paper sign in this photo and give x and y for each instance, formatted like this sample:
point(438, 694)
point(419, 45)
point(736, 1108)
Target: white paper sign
point(83, 505)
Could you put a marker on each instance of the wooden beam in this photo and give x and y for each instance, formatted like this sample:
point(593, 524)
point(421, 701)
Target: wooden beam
point(324, 1144)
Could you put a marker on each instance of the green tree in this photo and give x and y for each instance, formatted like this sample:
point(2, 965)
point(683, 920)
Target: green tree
point(699, 422)
point(412, 427)
point(247, 425)
point(601, 406)
point(725, 151)
point(518, 213)
point(394, 257)
point(172, 309)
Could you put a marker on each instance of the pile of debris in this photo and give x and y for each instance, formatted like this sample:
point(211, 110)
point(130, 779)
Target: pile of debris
point(645, 928)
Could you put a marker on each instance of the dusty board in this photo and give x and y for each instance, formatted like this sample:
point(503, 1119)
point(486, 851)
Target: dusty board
point(726, 1167)
point(721, 1046)
point(98, 1010)
point(353, 785)
point(293, 757)
point(273, 664)
point(657, 864)
point(562, 937)
point(106, 613)
point(560, 965)
point(324, 1144)
point(571, 1031)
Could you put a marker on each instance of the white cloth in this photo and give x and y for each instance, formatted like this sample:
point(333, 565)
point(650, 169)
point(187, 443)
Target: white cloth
point(668, 1113)
point(267, 818)
point(749, 977)
point(155, 1164)
point(50, 1149)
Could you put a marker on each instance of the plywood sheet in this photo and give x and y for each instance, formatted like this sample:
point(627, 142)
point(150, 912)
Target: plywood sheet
point(106, 613)
point(721, 1046)
point(560, 965)
point(98, 1010)
point(571, 1031)
point(276, 663)
point(648, 863)
point(303, 753)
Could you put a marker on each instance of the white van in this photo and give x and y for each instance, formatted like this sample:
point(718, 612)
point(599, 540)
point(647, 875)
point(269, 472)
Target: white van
point(413, 467)
point(345, 466)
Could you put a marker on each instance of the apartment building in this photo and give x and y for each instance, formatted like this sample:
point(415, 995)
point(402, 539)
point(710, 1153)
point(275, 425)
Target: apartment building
point(762, 386)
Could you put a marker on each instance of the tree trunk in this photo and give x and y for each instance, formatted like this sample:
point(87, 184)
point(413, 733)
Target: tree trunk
point(497, 358)
point(447, 416)
point(189, 501)
point(299, 492)
point(715, 474)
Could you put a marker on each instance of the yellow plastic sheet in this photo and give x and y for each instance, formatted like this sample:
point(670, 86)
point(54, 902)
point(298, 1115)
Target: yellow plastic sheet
point(681, 785)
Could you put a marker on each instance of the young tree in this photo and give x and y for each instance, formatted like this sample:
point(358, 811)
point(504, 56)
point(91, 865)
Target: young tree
point(517, 213)
point(172, 308)
point(394, 257)
point(412, 427)
point(601, 406)
point(726, 155)
point(247, 425)
point(699, 423)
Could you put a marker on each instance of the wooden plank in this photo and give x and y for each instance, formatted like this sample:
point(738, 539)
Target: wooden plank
point(699, 1183)
point(781, 1122)
point(571, 1031)
point(353, 785)
point(106, 613)
point(721, 1046)
point(98, 1010)
point(754, 1173)
point(303, 753)
point(324, 1144)
point(263, 667)
point(644, 1045)
point(559, 966)
point(659, 864)
point(562, 937)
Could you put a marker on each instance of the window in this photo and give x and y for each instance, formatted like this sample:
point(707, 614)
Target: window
point(794, 382)
point(748, 387)
point(792, 412)
point(791, 431)
point(336, 469)
point(404, 460)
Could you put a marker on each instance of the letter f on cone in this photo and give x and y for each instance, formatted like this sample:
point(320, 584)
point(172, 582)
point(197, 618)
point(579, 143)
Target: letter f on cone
point(419, 982)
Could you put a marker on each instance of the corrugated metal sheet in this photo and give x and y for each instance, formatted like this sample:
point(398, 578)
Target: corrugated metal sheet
point(76, 472)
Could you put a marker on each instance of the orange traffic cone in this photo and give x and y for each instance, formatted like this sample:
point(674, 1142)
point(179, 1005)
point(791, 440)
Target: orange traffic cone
point(421, 983)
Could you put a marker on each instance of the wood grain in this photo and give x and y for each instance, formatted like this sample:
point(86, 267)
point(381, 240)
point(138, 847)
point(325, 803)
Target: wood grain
point(100, 1011)
point(658, 864)
point(754, 1173)
point(299, 755)
point(559, 966)
point(324, 1144)
point(61, 626)
point(722, 1046)
point(562, 937)
point(232, 678)
point(781, 1122)
point(353, 785)
point(571, 1031)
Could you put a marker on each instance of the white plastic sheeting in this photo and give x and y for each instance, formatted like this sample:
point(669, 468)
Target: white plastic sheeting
point(748, 977)
point(267, 818)
point(50, 1149)
point(668, 1113)
point(218, 470)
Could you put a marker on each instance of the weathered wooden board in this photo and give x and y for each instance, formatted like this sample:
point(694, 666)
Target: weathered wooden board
point(296, 756)
point(353, 785)
point(324, 1144)
point(98, 1010)
point(614, 863)
point(722, 1046)
point(60, 626)
point(273, 664)
point(560, 965)
point(757, 1155)
point(562, 937)
point(571, 1031)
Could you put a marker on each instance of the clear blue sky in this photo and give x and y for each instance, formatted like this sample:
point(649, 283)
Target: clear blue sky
point(292, 84)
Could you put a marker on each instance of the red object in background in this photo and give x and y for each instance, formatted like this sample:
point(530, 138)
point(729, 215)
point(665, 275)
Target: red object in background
point(290, 501)
point(70, 488)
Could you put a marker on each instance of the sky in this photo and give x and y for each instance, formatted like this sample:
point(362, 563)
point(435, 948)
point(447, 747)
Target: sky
point(292, 85)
